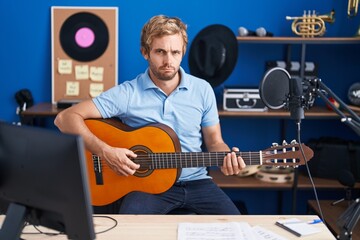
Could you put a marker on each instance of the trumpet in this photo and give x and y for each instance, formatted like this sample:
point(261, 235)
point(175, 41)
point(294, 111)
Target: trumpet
point(310, 24)
point(352, 8)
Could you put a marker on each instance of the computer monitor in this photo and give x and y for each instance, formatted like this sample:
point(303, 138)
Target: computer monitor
point(43, 179)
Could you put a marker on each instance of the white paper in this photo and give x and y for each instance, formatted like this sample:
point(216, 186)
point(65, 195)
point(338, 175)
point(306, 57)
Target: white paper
point(264, 234)
point(298, 226)
point(215, 231)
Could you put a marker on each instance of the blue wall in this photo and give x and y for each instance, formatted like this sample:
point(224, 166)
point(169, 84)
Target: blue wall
point(25, 53)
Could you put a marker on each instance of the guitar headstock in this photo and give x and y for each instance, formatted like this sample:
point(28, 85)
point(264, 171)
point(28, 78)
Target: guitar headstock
point(286, 154)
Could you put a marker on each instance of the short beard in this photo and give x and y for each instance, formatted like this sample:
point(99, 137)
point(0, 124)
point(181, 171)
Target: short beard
point(160, 76)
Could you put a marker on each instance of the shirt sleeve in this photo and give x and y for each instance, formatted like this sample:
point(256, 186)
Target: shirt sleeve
point(112, 102)
point(211, 115)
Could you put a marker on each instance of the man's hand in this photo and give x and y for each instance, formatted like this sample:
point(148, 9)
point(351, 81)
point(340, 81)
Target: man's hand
point(119, 160)
point(232, 164)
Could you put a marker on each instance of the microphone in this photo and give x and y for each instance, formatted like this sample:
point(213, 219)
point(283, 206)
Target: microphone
point(295, 99)
point(347, 179)
point(243, 32)
point(278, 89)
point(260, 32)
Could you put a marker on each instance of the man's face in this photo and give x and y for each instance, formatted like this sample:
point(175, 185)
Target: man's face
point(165, 57)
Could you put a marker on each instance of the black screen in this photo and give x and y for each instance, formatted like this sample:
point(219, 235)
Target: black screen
point(44, 181)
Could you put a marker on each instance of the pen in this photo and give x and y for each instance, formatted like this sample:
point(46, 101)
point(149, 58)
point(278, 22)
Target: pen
point(315, 221)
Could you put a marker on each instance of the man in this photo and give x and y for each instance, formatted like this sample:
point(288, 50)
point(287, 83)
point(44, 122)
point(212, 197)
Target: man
point(163, 94)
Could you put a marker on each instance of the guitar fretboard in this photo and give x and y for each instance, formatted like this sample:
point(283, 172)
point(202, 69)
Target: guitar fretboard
point(191, 159)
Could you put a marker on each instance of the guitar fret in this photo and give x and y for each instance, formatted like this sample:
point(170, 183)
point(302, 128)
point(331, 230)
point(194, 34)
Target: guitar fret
point(171, 161)
point(167, 161)
point(164, 160)
point(162, 163)
point(152, 160)
point(156, 162)
point(182, 161)
point(176, 165)
point(250, 158)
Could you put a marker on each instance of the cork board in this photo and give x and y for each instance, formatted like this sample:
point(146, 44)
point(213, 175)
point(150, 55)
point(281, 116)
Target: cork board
point(84, 52)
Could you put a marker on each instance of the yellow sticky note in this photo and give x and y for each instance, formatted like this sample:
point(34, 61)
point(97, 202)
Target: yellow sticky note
point(96, 89)
point(81, 72)
point(65, 66)
point(72, 88)
point(96, 73)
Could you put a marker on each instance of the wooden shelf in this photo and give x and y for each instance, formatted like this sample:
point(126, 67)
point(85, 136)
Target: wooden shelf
point(299, 40)
point(250, 182)
point(48, 109)
point(314, 113)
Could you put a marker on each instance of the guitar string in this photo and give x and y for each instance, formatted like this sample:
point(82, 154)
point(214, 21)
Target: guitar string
point(162, 164)
point(159, 160)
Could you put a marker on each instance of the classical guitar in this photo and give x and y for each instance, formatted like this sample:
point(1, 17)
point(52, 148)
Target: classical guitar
point(160, 157)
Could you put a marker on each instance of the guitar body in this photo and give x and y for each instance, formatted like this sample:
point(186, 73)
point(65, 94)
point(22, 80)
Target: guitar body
point(152, 138)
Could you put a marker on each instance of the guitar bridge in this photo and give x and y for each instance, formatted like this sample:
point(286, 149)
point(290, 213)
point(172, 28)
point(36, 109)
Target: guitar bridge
point(98, 170)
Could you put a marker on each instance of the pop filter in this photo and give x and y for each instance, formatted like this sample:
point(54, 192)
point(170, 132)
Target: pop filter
point(274, 88)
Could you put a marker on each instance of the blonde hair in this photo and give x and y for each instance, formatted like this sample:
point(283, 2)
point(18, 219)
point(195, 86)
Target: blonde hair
point(159, 26)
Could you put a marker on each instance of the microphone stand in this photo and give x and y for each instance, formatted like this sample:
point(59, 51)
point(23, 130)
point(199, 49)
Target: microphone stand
point(353, 122)
point(348, 220)
point(350, 217)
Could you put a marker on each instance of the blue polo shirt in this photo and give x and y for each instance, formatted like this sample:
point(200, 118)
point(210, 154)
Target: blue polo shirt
point(189, 107)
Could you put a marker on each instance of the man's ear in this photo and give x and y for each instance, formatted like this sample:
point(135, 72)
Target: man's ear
point(144, 53)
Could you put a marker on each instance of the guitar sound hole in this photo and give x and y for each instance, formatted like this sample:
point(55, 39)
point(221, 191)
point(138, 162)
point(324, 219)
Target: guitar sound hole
point(144, 170)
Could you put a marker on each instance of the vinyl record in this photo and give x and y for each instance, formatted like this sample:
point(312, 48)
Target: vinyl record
point(84, 36)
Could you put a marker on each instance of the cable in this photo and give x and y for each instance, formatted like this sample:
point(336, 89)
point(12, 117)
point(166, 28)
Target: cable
point(308, 171)
point(111, 227)
point(63, 233)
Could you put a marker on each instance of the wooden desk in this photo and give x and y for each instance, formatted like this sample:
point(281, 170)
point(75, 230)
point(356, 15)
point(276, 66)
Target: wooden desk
point(41, 110)
point(332, 213)
point(36, 114)
point(157, 227)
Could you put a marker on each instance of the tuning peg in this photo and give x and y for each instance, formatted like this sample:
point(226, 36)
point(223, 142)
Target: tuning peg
point(293, 142)
point(284, 143)
point(275, 144)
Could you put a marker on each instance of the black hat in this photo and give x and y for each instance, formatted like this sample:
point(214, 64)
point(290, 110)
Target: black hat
point(213, 54)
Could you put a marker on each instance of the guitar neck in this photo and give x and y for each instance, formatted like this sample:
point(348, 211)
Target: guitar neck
point(191, 159)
